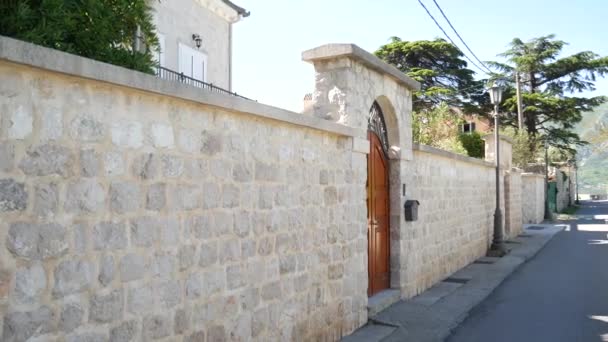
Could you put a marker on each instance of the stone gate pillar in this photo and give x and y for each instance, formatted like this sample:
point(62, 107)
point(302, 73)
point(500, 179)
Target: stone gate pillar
point(348, 80)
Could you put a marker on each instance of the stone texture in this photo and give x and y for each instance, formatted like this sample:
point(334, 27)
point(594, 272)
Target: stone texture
point(84, 196)
point(172, 166)
point(13, 195)
point(72, 315)
point(125, 332)
point(51, 126)
point(187, 257)
point(127, 134)
point(145, 231)
point(156, 326)
point(29, 283)
point(107, 270)
point(162, 135)
point(37, 241)
point(21, 326)
point(109, 236)
point(106, 307)
point(169, 293)
point(132, 267)
point(140, 299)
point(46, 201)
point(146, 166)
point(211, 195)
point(197, 336)
point(47, 160)
point(212, 143)
point(90, 163)
point(124, 197)
point(186, 197)
point(87, 337)
point(156, 197)
point(182, 322)
point(20, 123)
point(7, 156)
point(114, 163)
point(87, 129)
point(72, 276)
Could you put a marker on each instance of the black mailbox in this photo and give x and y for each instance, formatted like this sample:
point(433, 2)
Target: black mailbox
point(411, 210)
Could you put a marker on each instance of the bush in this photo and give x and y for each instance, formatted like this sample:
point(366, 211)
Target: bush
point(473, 144)
point(527, 149)
point(101, 30)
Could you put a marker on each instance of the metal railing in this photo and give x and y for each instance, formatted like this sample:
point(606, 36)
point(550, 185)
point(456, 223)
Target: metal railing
point(170, 75)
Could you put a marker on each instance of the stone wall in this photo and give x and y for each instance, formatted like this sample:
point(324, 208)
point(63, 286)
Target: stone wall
point(455, 216)
point(130, 215)
point(513, 203)
point(533, 197)
point(562, 181)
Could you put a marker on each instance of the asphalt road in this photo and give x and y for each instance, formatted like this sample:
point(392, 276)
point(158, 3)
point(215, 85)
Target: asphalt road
point(560, 295)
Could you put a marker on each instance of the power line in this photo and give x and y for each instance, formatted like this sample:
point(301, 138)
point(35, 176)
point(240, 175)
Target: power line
point(459, 37)
point(448, 37)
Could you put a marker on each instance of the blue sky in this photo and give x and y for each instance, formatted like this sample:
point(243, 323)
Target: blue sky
point(268, 44)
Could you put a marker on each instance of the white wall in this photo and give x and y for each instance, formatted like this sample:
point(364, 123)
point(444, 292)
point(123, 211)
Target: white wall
point(177, 20)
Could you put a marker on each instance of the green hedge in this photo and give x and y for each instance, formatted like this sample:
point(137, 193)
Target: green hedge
point(473, 143)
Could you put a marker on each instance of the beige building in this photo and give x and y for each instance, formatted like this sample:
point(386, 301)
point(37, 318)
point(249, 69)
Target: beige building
point(195, 39)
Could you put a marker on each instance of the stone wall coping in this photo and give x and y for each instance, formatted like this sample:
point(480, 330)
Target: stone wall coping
point(332, 51)
point(501, 137)
point(29, 54)
point(532, 174)
point(451, 155)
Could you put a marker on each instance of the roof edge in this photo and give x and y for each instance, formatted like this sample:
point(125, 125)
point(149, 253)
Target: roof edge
point(240, 10)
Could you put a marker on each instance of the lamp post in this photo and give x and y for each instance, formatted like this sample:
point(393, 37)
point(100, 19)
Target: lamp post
point(498, 246)
point(576, 201)
point(547, 209)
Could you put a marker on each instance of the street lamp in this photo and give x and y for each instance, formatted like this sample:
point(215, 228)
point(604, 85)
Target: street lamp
point(498, 245)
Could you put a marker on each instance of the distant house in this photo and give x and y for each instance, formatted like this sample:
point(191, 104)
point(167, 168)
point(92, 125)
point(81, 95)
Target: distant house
point(195, 39)
point(475, 123)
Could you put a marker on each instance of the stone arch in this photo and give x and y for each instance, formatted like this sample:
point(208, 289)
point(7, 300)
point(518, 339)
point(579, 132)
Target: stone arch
point(392, 126)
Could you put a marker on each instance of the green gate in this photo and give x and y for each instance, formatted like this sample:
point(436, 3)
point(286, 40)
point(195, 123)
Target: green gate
point(552, 196)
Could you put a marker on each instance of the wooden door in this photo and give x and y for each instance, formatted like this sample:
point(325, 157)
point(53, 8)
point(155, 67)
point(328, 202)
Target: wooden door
point(378, 232)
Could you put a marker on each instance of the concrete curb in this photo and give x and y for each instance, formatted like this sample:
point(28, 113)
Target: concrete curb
point(433, 315)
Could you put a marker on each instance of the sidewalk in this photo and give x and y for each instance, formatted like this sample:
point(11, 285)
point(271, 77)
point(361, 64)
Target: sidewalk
point(432, 315)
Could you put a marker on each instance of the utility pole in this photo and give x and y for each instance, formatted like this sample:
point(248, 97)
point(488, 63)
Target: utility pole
point(520, 120)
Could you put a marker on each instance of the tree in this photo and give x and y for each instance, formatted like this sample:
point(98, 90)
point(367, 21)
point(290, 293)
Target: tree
point(101, 30)
point(438, 127)
point(440, 68)
point(548, 80)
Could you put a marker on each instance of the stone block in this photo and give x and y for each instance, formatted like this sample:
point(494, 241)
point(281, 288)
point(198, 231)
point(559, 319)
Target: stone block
point(51, 123)
point(212, 195)
point(235, 277)
point(198, 336)
point(172, 166)
point(181, 323)
point(46, 199)
point(330, 195)
point(169, 293)
point(230, 250)
point(212, 143)
point(242, 223)
point(271, 291)
point(13, 195)
point(107, 269)
point(124, 197)
point(5, 283)
point(37, 241)
point(248, 248)
point(194, 286)
point(146, 166)
point(106, 307)
point(266, 172)
point(216, 333)
point(287, 263)
point(89, 163)
point(220, 168)
point(72, 315)
point(45, 160)
point(125, 332)
point(73, 276)
point(230, 196)
point(214, 281)
point(109, 236)
point(242, 172)
point(164, 265)
point(21, 326)
point(265, 197)
point(201, 227)
point(208, 253)
point(156, 197)
point(87, 129)
point(114, 163)
point(162, 135)
point(145, 231)
point(156, 327)
point(30, 282)
point(140, 299)
point(223, 222)
point(196, 168)
point(127, 134)
point(84, 196)
point(170, 231)
point(87, 337)
point(189, 141)
point(186, 257)
point(133, 267)
point(20, 123)
point(185, 196)
point(7, 157)
point(266, 246)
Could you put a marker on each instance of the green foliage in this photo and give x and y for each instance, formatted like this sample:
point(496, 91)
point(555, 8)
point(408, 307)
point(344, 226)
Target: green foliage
point(101, 30)
point(438, 128)
point(547, 80)
point(440, 68)
point(527, 148)
point(473, 144)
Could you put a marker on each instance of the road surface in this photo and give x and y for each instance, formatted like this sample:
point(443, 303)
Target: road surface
point(560, 295)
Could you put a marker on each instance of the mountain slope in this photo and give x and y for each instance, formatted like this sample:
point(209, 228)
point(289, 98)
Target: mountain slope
point(593, 158)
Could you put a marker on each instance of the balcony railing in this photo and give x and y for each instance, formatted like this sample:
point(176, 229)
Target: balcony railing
point(170, 75)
